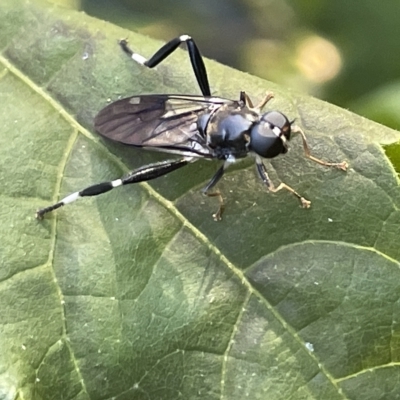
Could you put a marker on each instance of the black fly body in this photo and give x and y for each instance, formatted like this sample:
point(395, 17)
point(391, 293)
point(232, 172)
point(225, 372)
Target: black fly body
point(193, 127)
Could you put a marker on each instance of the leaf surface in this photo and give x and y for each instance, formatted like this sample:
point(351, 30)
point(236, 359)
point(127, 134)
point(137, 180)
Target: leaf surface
point(139, 294)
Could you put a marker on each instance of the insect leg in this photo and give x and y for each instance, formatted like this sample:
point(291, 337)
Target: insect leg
point(262, 171)
point(206, 190)
point(268, 96)
point(141, 174)
point(194, 54)
point(343, 165)
point(244, 97)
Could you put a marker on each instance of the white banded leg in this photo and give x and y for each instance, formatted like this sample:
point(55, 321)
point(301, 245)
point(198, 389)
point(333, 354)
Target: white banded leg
point(141, 174)
point(194, 54)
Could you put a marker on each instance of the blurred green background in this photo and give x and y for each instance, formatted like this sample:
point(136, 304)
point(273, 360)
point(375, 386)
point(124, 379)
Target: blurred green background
point(345, 52)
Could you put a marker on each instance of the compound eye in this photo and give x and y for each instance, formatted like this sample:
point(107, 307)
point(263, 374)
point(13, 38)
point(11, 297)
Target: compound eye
point(265, 142)
point(279, 123)
point(276, 118)
point(270, 135)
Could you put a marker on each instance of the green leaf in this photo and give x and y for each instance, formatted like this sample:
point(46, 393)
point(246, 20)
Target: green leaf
point(139, 294)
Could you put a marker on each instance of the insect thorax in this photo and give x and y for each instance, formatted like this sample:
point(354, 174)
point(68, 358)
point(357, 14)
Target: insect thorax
point(227, 131)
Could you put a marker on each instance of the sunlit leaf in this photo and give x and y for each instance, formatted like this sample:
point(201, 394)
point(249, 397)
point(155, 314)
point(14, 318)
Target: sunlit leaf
point(139, 294)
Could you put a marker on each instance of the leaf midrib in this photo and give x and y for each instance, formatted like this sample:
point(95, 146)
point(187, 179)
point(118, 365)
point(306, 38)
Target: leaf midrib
point(79, 129)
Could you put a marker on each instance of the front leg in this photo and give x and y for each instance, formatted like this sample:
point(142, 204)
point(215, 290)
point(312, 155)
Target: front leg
point(342, 165)
point(262, 171)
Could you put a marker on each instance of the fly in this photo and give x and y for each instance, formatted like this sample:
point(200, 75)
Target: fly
point(193, 127)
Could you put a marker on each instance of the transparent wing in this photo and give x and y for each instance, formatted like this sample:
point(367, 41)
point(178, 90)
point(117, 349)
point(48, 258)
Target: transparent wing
point(163, 122)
